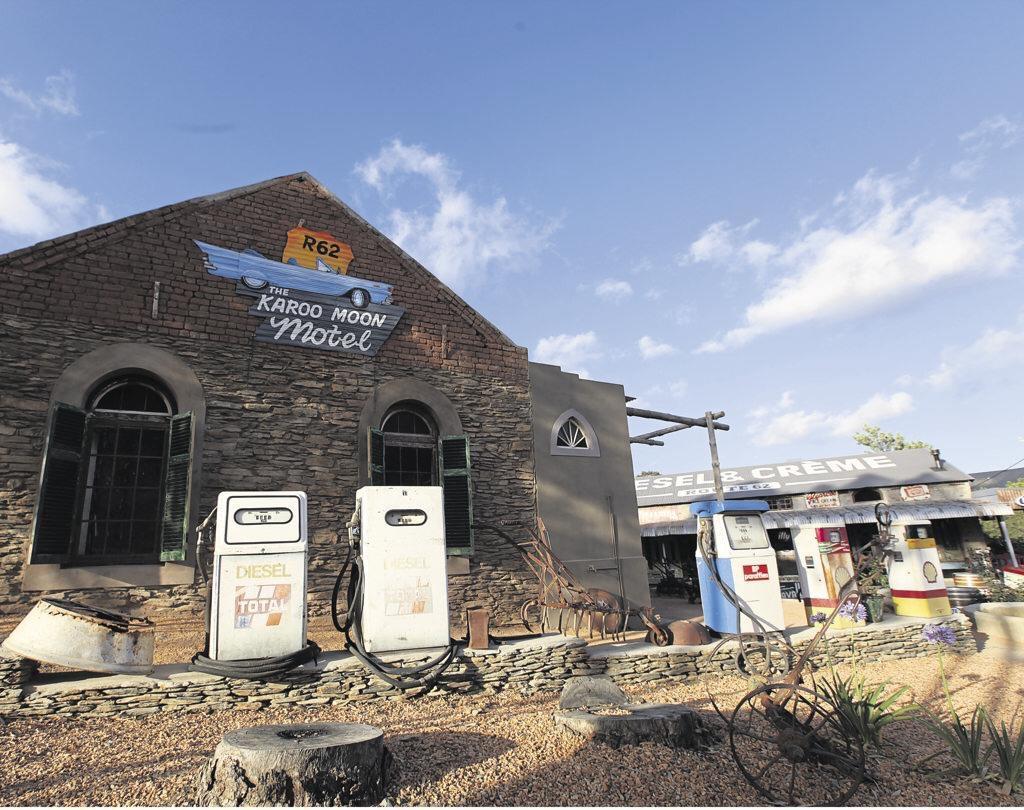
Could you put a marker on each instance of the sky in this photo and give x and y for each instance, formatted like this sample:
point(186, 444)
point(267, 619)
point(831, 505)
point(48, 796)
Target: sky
point(807, 215)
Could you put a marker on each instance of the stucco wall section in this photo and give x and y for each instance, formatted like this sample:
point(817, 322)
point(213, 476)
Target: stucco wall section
point(586, 501)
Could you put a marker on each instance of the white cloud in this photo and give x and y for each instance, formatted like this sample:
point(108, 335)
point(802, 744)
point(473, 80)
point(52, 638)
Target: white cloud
point(654, 294)
point(650, 348)
point(58, 97)
point(767, 429)
point(568, 351)
point(459, 239)
point(992, 351)
point(997, 132)
point(613, 288)
point(876, 249)
point(32, 204)
point(717, 243)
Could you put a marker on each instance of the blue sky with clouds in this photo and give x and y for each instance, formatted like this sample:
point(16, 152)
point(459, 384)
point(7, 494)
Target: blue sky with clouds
point(806, 215)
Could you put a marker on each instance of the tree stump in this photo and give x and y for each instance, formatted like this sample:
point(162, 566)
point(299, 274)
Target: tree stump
point(322, 764)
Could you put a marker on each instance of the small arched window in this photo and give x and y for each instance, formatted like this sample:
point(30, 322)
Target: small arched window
point(573, 435)
point(410, 449)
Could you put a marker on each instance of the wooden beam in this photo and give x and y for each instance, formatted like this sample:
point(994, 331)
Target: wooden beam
point(681, 420)
point(643, 437)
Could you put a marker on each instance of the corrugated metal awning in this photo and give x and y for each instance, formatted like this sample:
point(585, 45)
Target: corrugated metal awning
point(679, 521)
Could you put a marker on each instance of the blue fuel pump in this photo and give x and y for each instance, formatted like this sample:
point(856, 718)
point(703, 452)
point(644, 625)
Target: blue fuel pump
point(736, 568)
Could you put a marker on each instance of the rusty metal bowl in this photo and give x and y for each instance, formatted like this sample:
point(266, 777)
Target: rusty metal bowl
point(77, 636)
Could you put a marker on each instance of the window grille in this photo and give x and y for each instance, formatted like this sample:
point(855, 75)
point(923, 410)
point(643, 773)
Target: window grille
point(571, 434)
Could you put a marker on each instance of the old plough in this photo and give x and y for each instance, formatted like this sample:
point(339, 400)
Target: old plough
point(562, 602)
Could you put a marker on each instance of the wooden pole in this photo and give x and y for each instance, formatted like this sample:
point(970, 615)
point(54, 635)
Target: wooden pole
point(716, 467)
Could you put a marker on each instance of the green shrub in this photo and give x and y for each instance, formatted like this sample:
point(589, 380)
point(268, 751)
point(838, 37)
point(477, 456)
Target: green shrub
point(864, 710)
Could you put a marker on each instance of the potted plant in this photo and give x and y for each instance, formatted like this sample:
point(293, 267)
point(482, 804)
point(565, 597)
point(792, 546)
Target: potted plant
point(873, 583)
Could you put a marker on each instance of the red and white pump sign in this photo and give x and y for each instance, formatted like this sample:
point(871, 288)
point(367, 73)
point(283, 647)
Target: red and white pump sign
point(755, 572)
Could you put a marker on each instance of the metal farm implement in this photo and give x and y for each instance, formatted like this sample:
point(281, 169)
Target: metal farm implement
point(561, 594)
point(789, 741)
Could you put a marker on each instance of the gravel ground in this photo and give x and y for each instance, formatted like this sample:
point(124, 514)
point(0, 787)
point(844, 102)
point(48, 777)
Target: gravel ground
point(488, 750)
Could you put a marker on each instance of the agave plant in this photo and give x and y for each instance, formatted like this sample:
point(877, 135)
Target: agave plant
point(863, 709)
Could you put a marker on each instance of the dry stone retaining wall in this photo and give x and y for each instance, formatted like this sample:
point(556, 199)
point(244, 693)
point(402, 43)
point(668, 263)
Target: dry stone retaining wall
point(899, 638)
point(526, 667)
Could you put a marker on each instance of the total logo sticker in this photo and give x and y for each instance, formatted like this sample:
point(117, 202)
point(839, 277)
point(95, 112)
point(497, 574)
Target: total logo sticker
point(755, 572)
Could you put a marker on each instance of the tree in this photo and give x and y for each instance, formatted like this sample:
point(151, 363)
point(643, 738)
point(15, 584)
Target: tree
point(874, 438)
point(1018, 483)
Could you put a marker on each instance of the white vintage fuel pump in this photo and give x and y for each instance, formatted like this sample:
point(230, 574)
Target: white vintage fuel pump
point(398, 590)
point(258, 605)
point(736, 567)
point(825, 566)
point(256, 616)
point(915, 573)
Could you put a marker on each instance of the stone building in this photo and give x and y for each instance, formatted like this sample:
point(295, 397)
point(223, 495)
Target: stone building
point(262, 338)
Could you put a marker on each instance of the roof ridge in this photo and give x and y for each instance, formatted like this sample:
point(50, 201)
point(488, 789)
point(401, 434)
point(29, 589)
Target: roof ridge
point(79, 241)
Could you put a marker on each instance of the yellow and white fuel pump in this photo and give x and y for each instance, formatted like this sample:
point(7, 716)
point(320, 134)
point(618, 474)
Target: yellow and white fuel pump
point(825, 565)
point(915, 574)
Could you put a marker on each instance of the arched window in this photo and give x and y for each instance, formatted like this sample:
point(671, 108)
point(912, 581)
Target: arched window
point(116, 477)
point(410, 449)
point(125, 455)
point(866, 495)
point(573, 435)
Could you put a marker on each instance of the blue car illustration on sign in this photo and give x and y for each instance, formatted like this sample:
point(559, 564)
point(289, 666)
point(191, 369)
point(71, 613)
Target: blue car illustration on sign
point(256, 271)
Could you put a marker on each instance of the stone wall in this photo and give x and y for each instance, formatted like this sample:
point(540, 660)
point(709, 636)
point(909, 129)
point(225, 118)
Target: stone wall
point(534, 665)
point(896, 638)
point(277, 417)
point(526, 667)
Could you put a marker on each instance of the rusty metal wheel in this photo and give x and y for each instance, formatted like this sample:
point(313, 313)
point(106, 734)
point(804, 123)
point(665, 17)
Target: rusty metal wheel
point(790, 745)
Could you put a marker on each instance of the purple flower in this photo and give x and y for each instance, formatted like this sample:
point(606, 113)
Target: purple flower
point(939, 634)
point(818, 618)
point(853, 612)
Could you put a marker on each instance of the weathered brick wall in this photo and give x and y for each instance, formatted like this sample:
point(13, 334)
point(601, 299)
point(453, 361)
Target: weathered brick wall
point(277, 417)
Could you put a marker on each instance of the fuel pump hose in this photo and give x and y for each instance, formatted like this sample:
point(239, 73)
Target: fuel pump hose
point(422, 676)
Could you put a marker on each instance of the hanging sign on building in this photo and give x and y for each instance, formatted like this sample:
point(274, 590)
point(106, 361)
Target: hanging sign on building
point(915, 492)
point(306, 247)
point(822, 500)
point(310, 308)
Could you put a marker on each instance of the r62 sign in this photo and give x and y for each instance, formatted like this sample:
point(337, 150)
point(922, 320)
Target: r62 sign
point(306, 248)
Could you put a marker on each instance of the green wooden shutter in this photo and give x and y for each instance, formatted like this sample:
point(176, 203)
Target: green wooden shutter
point(58, 484)
point(375, 458)
point(177, 487)
point(458, 494)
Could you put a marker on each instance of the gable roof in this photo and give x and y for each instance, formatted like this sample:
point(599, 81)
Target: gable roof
point(51, 251)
